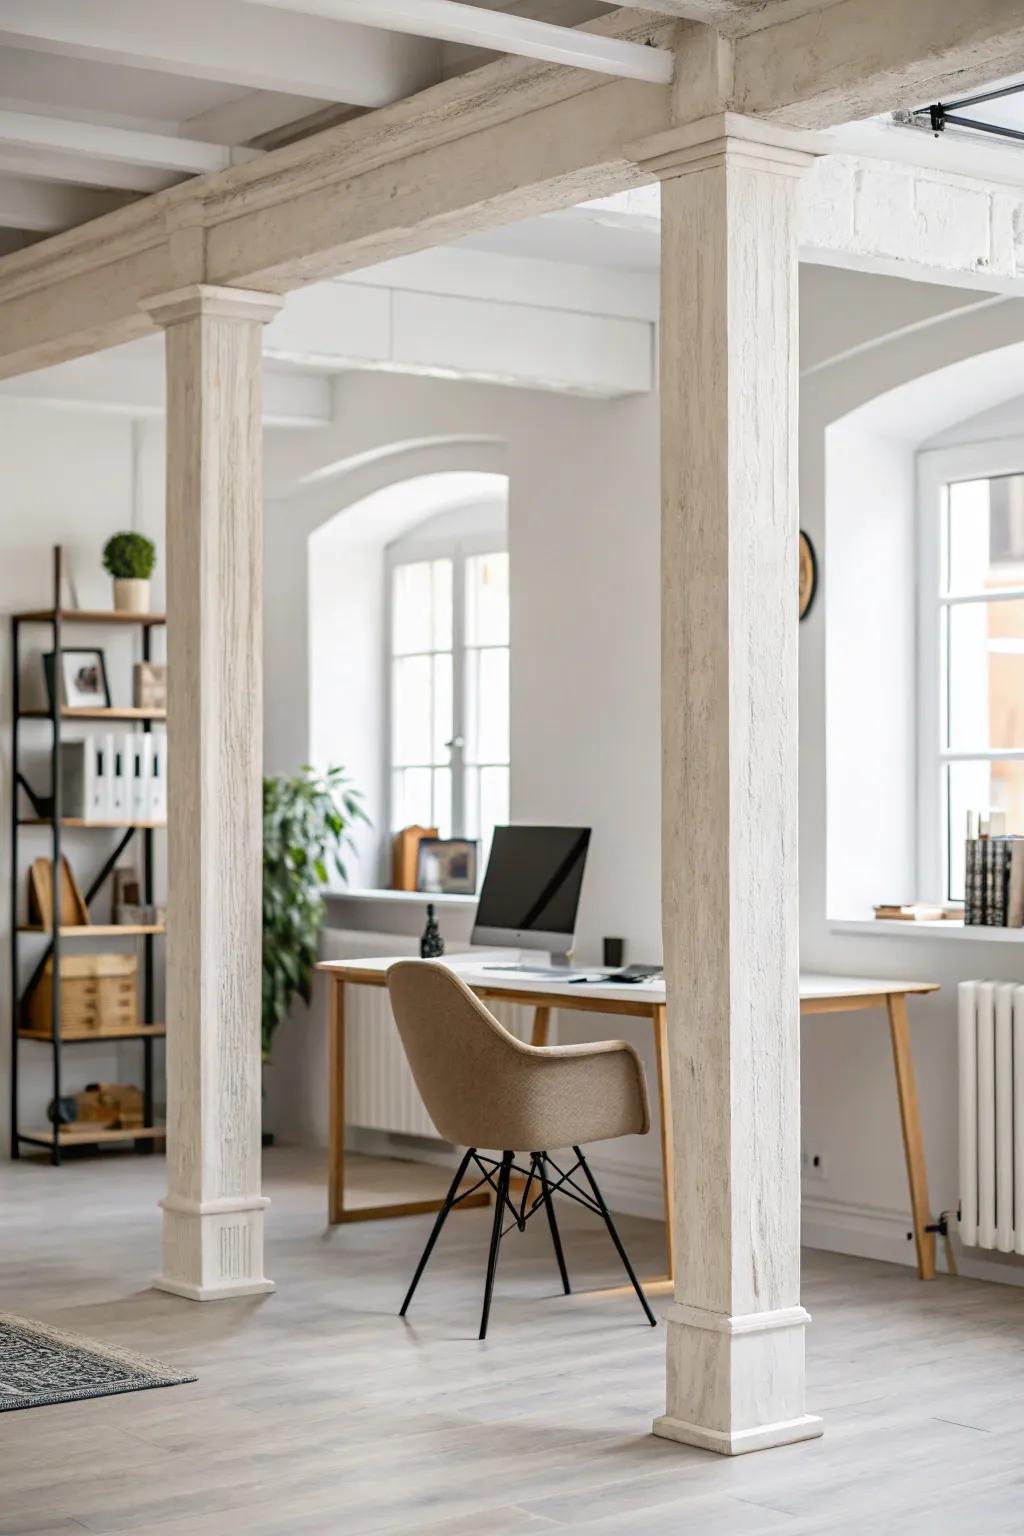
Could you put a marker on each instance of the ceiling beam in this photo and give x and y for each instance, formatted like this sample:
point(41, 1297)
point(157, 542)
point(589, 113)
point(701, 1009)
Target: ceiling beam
point(122, 146)
point(863, 57)
point(43, 207)
point(83, 172)
point(228, 40)
point(499, 31)
point(507, 141)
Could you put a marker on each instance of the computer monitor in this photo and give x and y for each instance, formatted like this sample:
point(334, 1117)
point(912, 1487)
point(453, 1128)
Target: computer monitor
point(531, 889)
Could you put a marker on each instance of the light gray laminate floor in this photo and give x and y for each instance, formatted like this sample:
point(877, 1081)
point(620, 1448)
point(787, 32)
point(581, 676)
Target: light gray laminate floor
point(319, 1411)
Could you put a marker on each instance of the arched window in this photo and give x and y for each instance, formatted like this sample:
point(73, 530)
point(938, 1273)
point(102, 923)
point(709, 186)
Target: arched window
point(448, 654)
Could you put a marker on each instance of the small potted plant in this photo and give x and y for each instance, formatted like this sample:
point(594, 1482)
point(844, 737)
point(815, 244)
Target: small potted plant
point(130, 558)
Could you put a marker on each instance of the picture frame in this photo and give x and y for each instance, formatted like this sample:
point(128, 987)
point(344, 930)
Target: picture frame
point(446, 866)
point(149, 685)
point(83, 678)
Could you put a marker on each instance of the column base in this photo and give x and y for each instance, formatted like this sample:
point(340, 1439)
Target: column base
point(212, 1292)
point(213, 1249)
point(736, 1442)
point(736, 1383)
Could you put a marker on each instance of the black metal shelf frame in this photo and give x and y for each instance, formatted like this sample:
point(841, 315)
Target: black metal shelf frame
point(56, 619)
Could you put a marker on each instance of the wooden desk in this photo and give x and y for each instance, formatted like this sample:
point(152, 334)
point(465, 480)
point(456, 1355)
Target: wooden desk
point(818, 994)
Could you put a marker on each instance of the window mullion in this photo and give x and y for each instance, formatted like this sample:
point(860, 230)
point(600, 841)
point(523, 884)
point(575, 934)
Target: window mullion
point(458, 750)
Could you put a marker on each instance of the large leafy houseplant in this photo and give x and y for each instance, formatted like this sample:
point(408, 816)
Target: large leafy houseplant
point(306, 821)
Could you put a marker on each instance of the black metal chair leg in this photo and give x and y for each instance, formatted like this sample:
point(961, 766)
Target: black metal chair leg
point(541, 1163)
point(449, 1201)
point(615, 1238)
point(500, 1209)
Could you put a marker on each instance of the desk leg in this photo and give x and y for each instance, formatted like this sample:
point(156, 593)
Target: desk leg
point(541, 1025)
point(665, 1116)
point(913, 1141)
point(336, 1136)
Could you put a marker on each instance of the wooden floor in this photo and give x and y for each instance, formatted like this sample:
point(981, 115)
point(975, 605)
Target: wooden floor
point(318, 1411)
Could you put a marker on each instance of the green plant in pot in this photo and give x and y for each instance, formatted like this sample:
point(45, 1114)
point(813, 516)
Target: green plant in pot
point(130, 558)
point(306, 822)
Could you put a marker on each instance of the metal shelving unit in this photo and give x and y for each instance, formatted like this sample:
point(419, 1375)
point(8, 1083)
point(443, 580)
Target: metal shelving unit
point(56, 1138)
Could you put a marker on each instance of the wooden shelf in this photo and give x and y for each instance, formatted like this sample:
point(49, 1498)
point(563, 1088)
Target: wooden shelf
point(89, 616)
point(84, 1138)
point(77, 821)
point(95, 930)
point(115, 712)
point(138, 1032)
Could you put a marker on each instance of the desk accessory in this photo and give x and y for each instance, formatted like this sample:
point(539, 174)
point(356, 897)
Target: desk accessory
point(431, 943)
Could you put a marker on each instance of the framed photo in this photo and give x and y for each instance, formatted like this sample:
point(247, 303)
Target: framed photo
point(149, 685)
point(446, 866)
point(83, 679)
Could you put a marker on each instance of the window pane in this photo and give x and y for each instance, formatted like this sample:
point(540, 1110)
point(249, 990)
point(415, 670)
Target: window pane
point(985, 538)
point(443, 723)
point(442, 582)
point(493, 806)
point(421, 607)
point(487, 599)
point(986, 675)
point(410, 798)
point(411, 608)
point(981, 786)
point(487, 706)
point(471, 802)
point(442, 813)
point(411, 710)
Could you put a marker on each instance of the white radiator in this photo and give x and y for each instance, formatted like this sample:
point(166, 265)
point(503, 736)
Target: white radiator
point(991, 1051)
point(380, 1094)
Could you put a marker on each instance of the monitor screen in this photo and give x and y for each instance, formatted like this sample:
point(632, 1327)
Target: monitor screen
point(532, 886)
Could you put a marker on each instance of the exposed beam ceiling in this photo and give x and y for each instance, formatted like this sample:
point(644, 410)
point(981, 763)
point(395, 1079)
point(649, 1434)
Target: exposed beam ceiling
point(29, 131)
point(42, 207)
point(863, 57)
point(230, 41)
point(499, 31)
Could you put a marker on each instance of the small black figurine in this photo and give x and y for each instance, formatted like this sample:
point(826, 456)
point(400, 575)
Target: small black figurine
point(431, 944)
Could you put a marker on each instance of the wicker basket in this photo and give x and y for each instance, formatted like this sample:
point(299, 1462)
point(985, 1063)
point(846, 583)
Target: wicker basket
point(98, 996)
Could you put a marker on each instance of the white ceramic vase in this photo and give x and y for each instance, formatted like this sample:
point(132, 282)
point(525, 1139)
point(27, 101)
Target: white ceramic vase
point(131, 594)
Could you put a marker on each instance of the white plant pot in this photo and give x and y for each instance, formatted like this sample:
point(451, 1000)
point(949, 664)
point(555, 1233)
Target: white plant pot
point(131, 594)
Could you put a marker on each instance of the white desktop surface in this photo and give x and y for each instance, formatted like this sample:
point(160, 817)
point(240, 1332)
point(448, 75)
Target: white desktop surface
point(477, 971)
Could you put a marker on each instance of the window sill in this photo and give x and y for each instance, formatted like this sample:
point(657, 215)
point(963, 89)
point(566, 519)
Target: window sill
point(881, 929)
point(398, 898)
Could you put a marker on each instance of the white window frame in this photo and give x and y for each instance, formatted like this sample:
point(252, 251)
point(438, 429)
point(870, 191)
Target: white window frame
point(936, 469)
point(407, 551)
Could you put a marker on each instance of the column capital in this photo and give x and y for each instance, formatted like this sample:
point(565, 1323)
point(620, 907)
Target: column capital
point(205, 300)
point(728, 138)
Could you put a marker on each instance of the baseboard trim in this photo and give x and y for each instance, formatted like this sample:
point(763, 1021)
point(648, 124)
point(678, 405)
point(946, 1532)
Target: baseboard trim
point(871, 1232)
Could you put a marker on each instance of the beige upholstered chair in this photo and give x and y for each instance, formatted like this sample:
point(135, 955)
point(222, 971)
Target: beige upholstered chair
point(484, 1088)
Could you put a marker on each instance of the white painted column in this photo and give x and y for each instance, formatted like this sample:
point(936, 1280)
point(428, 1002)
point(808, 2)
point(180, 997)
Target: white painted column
point(729, 728)
point(213, 1211)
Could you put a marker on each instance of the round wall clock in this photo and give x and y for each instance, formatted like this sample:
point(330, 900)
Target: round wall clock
point(808, 574)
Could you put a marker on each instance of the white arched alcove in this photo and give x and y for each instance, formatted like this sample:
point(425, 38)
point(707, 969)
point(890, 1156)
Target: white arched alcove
point(324, 632)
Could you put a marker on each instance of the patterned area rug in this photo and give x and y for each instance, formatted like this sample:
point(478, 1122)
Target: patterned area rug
point(42, 1365)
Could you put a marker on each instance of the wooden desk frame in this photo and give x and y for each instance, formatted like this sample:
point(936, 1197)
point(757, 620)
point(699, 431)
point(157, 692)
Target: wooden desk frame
point(893, 1001)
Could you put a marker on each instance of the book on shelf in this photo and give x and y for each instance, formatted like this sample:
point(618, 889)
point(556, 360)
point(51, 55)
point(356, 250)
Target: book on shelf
point(993, 873)
point(917, 912)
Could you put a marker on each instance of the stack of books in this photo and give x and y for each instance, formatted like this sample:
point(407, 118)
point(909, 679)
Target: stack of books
point(119, 776)
point(993, 874)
